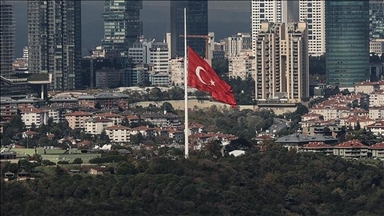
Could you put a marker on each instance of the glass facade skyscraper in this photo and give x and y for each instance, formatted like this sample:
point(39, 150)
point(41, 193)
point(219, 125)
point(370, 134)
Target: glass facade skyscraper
point(376, 19)
point(347, 42)
point(54, 41)
point(197, 24)
point(122, 25)
point(7, 39)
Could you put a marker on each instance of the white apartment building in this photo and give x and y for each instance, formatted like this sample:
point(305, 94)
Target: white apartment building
point(176, 72)
point(272, 11)
point(376, 99)
point(241, 65)
point(313, 12)
point(159, 79)
point(34, 116)
point(376, 46)
point(376, 113)
point(153, 53)
point(236, 44)
point(282, 62)
point(158, 58)
point(118, 133)
point(96, 125)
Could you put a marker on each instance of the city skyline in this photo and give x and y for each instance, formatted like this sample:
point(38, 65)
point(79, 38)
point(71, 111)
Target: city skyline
point(155, 16)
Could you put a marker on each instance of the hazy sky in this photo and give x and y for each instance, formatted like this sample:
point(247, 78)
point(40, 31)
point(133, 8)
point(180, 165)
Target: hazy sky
point(225, 19)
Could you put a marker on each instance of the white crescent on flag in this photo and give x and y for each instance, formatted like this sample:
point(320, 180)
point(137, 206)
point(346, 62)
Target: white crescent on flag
point(198, 69)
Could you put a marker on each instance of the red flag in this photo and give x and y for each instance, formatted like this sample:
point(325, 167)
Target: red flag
point(202, 76)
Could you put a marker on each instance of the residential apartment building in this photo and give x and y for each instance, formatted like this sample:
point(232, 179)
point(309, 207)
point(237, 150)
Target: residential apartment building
point(176, 71)
point(271, 11)
point(236, 44)
point(282, 62)
point(77, 120)
point(7, 38)
point(242, 65)
point(313, 12)
point(54, 40)
point(33, 116)
point(347, 43)
point(376, 99)
point(96, 125)
point(351, 149)
point(376, 113)
point(118, 133)
point(122, 25)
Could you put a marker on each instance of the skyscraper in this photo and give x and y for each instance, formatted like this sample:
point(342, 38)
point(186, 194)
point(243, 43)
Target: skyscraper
point(122, 25)
point(376, 19)
point(313, 12)
point(272, 11)
point(7, 38)
point(282, 62)
point(347, 43)
point(54, 41)
point(197, 25)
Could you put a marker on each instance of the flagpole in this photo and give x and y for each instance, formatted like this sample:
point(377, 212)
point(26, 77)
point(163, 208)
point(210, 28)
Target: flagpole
point(186, 126)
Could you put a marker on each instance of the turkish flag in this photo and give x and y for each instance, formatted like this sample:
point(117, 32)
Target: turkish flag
point(202, 76)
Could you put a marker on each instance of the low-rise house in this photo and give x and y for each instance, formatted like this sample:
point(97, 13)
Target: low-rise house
point(196, 128)
point(144, 130)
point(376, 151)
point(351, 149)
point(97, 171)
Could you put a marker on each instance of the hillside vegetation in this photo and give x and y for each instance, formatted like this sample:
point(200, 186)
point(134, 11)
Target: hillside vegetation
point(275, 182)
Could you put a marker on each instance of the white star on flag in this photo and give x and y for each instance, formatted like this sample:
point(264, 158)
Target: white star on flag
point(212, 83)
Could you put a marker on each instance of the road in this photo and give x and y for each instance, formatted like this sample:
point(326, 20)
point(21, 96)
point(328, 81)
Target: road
point(278, 125)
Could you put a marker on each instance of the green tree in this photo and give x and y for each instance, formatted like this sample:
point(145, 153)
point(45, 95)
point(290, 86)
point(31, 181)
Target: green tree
point(77, 161)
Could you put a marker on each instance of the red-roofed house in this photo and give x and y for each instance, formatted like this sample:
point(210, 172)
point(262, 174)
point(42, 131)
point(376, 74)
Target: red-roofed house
point(377, 127)
point(351, 149)
point(144, 130)
point(377, 150)
point(317, 147)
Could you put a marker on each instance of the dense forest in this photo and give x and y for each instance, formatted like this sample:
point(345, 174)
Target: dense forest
point(273, 182)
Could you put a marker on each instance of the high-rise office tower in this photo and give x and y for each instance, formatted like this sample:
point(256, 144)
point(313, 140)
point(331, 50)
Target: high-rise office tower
point(313, 12)
point(376, 26)
point(7, 39)
point(122, 25)
point(347, 43)
point(272, 11)
point(282, 62)
point(376, 19)
point(197, 26)
point(54, 41)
